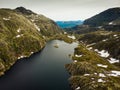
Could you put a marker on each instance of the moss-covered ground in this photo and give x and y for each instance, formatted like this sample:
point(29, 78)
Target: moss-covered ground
point(89, 71)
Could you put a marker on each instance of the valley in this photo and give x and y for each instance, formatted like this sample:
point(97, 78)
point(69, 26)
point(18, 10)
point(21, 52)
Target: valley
point(43, 70)
point(93, 65)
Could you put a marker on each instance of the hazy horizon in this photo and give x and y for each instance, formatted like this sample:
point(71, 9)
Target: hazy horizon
point(63, 10)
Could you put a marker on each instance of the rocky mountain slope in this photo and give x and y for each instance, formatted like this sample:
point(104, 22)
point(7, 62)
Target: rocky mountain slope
point(105, 17)
point(96, 61)
point(103, 40)
point(92, 71)
point(22, 33)
point(81, 29)
point(108, 20)
point(46, 26)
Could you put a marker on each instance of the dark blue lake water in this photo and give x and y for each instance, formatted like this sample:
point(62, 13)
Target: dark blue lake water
point(42, 71)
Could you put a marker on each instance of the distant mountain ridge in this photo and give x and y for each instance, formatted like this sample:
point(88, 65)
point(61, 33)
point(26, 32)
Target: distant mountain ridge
point(108, 20)
point(69, 24)
point(104, 18)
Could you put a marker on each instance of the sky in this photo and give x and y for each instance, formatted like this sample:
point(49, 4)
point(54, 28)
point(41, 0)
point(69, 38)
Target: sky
point(63, 10)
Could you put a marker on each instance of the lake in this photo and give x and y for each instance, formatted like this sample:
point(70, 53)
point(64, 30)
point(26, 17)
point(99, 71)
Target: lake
point(42, 71)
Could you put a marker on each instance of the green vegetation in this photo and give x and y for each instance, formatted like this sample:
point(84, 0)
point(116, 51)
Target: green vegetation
point(22, 33)
point(18, 38)
point(46, 26)
point(91, 72)
point(64, 37)
point(103, 40)
point(96, 63)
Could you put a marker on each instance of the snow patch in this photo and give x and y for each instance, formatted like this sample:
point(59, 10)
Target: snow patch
point(19, 36)
point(111, 23)
point(113, 60)
point(32, 52)
point(101, 65)
point(115, 35)
point(18, 30)
point(44, 37)
point(36, 27)
point(99, 27)
point(102, 53)
point(78, 55)
point(6, 19)
point(104, 40)
point(75, 61)
point(22, 56)
point(78, 88)
point(95, 73)
point(90, 44)
point(90, 48)
point(101, 75)
point(65, 32)
point(114, 73)
point(100, 80)
point(96, 50)
point(86, 74)
point(32, 20)
point(72, 37)
point(92, 78)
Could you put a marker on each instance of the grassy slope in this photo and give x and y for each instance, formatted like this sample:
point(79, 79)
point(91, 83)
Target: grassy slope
point(104, 40)
point(11, 47)
point(87, 64)
point(47, 26)
point(19, 36)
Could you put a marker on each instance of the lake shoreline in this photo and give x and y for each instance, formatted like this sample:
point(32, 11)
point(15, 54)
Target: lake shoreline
point(41, 65)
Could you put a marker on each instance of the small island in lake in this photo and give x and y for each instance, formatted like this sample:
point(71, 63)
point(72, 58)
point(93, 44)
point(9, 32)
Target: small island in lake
point(56, 45)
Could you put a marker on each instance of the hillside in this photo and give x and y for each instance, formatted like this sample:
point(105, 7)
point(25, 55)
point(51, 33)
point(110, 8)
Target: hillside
point(103, 18)
point(17, 34)
point(46, 26)
point(108, 20)
point(92, 71)
point(81, 29)
point(68, 24)
point(96, 60)
point(22, 33)
point(103, 40)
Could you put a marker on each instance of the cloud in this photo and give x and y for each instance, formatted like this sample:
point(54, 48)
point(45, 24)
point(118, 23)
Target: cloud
point(63, 9)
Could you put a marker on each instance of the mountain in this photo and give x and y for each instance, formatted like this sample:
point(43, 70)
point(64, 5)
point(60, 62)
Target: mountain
point(103, 30)
point(22, 33)
point(46, 26)
point(68, 24)
point(81, 29)
point(104, 18)
point(96, 60)
point(108, 20)
point(24, 11)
